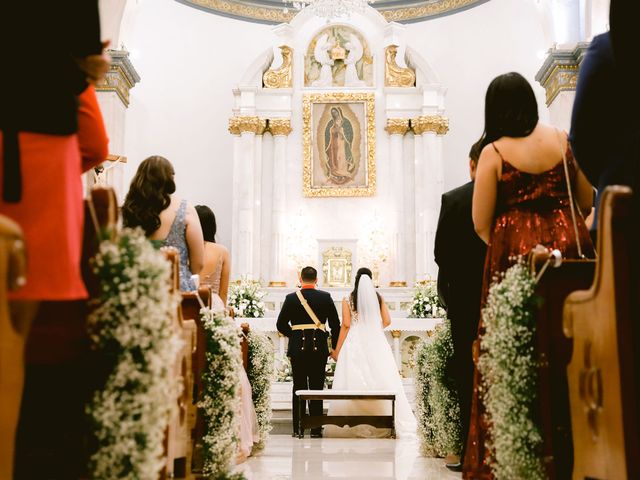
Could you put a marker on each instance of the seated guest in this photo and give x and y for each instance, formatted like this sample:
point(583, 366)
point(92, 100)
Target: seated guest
point(166, 219)
point(215, 272)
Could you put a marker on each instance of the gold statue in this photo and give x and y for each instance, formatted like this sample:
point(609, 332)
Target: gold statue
point(395, 76)
point(283, 76)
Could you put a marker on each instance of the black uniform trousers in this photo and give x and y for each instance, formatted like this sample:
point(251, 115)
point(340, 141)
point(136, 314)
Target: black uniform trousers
point(308, 369)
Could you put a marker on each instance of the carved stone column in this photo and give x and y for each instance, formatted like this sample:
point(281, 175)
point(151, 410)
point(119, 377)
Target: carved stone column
point(395, 334)
point(280, 129)
point(429, 187)
point(246, 127)
point(113, 96)
point(397, 128)
point(257, 195)
point(559, 76)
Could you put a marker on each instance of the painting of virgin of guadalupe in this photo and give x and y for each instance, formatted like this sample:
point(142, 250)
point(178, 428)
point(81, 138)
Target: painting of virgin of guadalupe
point(339, 145)
point(339, 164)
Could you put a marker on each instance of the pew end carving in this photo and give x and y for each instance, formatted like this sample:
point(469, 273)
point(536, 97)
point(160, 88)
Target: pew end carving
point(602, 380)
point(191, 310)
point(179, 448)
point(12, 339)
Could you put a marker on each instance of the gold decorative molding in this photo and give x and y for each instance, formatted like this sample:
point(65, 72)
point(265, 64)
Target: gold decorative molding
point(262, 126)
point(247, 124)
point(396, 333)
point(280, 126)
point(397, 126)
point(394, 75)
point(121, 77)
point(560, 79)
point(398, 284)
point(116, 158)
point(368, 99)
point(268, 13)
point(281, 77)
point(559, 71)
point(273, 284)
point(337, 266)
point(430, 123)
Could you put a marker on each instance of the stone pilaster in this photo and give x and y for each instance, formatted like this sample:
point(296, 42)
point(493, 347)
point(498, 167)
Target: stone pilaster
point(559, 77)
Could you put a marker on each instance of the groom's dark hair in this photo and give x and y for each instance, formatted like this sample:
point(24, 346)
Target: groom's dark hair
point(308, 274)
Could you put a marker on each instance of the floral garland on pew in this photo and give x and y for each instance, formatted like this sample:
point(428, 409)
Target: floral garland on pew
point(426, 302)
point(437, 404)
point(509, 372)
point(261, 372)
point(220, 400)
point(245, 297)
point(132, 327)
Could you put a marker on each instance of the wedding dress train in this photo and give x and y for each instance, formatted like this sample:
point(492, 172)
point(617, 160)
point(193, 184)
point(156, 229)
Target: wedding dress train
point(366, 363)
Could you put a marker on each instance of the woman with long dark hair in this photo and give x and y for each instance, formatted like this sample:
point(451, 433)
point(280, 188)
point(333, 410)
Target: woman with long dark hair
point(366, 362)
point(166, 219)
point(528, 191)
point(217, 266)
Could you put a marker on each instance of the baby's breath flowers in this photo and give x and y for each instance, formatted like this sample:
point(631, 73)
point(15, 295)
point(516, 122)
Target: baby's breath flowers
point(132, 328)
point(437, 405)
point(261, 373)
point(509, 372)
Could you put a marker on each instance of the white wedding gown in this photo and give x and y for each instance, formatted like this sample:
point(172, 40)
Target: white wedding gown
point(366, 363)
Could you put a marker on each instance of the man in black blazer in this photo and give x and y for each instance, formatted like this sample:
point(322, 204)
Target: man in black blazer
point(308, 347)
point(460, 254)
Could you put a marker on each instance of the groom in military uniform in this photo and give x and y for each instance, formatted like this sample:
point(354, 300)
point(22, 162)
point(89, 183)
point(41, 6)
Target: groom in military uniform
point(303, 319)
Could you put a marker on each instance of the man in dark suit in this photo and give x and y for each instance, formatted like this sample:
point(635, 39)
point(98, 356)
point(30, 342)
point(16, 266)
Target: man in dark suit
point(308, 347)
point(460, 254)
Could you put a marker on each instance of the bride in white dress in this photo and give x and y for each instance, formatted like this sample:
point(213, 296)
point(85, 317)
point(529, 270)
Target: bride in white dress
point(365, 362)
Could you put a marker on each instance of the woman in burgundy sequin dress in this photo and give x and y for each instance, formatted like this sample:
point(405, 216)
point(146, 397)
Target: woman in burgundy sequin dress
point(521, 199)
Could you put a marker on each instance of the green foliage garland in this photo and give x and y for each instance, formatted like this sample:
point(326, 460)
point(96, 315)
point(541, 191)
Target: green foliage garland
point(436, 400)
point(509, 373)
point(132, 327)
point(220, 399)
point(261, 373)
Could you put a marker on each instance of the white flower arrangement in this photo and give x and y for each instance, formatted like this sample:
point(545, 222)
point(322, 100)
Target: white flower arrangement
point(437, 404)
point(509, 373)
point(261, 372)
point(220, 401)
point(426, 303)
point(132, 326)
point(284, 373)
point(245, 296)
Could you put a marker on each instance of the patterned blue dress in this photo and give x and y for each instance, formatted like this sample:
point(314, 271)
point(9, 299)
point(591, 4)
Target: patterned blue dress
point(177, 239)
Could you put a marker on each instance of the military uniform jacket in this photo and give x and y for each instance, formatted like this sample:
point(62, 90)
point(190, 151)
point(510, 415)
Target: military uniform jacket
point(293, 313)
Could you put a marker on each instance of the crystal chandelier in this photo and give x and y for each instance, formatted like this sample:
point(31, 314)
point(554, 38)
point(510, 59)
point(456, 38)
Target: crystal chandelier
point(331, 9)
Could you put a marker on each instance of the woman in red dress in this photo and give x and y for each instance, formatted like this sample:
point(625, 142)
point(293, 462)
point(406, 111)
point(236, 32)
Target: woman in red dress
point(521, 199)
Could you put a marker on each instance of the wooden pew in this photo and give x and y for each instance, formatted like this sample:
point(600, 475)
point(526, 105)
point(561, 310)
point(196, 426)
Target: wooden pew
point(12, 341)
point(602, 380)
point(179, 447)
point(554, 352)
point(191, 311)
point(62, 371)
point(244, 346)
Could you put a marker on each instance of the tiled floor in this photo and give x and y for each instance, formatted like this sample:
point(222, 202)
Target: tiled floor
point(287, 458)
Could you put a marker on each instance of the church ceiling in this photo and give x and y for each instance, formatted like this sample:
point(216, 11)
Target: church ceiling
point(275, 11)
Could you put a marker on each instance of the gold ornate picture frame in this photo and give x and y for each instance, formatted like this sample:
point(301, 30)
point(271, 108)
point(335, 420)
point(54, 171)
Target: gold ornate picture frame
point(336, 267)
point(339, 144)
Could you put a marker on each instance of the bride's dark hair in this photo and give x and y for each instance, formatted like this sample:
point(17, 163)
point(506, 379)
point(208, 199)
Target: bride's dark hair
point(354, 294)
point(149, 194)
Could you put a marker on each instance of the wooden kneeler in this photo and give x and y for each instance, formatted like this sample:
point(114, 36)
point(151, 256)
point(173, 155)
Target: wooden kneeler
point(12, 341)
point(602, 380)
point(181, 423)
